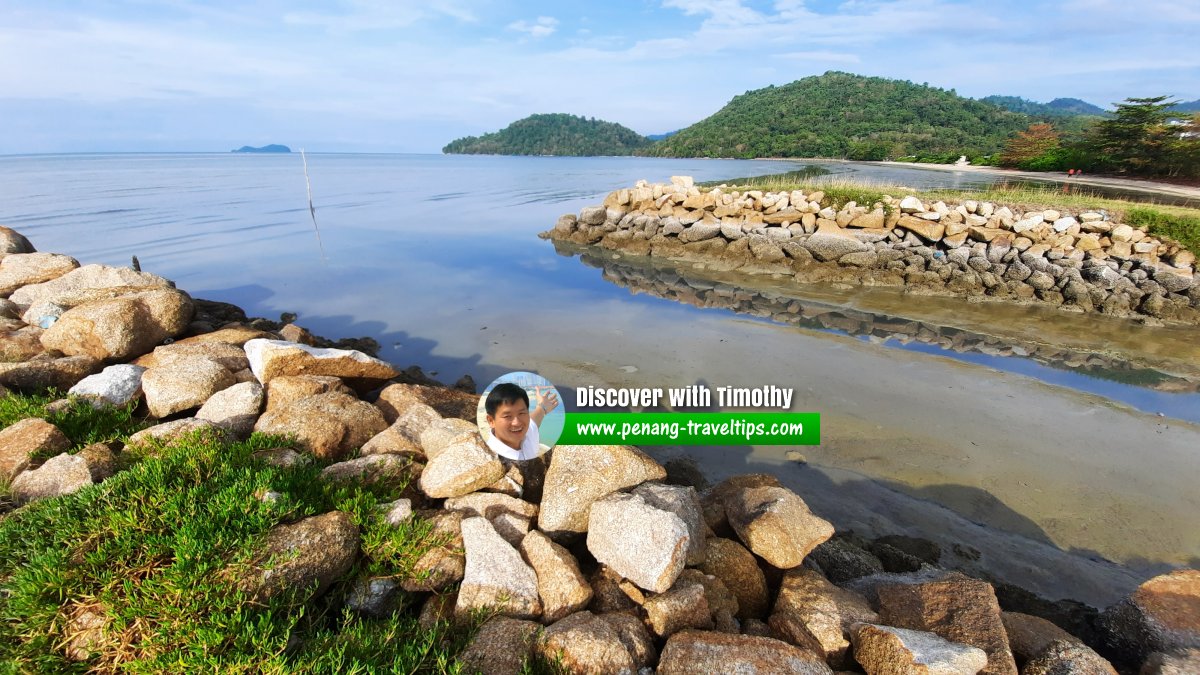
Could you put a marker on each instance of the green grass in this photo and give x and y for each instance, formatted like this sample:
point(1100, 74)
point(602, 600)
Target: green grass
point(78, 420)
point(1182, 227)
point(155, 550)
point(838, 191)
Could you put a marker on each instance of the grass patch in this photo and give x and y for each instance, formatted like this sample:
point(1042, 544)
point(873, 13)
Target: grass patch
point(838, 191)
point(149, 551)
point(1182, 227)
point(79, 421)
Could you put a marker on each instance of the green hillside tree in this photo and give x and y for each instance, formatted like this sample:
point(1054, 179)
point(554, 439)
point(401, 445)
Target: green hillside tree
point(1137, 138)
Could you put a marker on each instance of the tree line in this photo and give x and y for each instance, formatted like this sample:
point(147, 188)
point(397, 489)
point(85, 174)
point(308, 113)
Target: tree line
point(1143, 137)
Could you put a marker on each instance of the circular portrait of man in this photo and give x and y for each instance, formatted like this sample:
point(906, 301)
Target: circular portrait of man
point(520, 416)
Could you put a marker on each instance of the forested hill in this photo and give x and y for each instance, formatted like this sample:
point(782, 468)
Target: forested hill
point(1059, 107)
point(553, 134)
point(844, 115)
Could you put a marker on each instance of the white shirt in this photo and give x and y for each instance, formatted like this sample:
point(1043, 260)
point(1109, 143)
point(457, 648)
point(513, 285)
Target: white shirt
point(530, 445)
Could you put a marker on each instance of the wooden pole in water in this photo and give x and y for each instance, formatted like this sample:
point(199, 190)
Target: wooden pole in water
point(312, 211)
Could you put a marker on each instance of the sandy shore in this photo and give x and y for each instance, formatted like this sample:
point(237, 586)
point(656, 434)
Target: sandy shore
point(1135, 184)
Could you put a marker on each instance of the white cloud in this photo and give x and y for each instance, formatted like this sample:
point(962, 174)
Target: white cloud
point(539, 28)
point(835, 57)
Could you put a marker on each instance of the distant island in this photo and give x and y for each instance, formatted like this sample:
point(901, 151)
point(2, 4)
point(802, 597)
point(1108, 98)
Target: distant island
point(553, 134)
point(266, 148)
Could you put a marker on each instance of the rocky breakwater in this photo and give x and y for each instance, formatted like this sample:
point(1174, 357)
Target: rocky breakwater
point(595, 557)
point(1082, 262)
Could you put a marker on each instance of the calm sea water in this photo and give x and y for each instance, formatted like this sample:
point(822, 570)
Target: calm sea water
point(437, 258)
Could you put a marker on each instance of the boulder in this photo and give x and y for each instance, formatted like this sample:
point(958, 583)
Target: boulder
point(59, 475)
point(121, 328)
point(957, 608)
point(743, 654)
point(442, 565)
point(585, 643)
point(168, 432)
point(232, 335)
point(883, 649)
point(287, 389)
point(776, 524)
point(830, 244)
point(609, 591)
point(20, 343)
point(496, 577)
point(296, 557)
point(928, 230)
point(391, 442)
point(235, 408)
point(812, 613)
point(376, 598)
point(396, 398)
point(45, 372)
point(685, 605)
point(101, 462)
point(328, 426)
point(722, 603)
point(1068, 657)
point(712, 502)
point(115, 385)
point(501, 646)
point(685, 503)
point(911, 204)
point(561, 586)
point(21, 269)
point(644, 544)
point(21, 441)
point(1162, 615)
point(511, 516)
point(581, 474)
point(396, 513)
point(633, 634)
point(390, 470)
point(444, 432)
point(737, 568)
point(271, 358)
point(1029, 635)
point(841, 559)
point(231, 356)
point(461, 468)
point(183, 385)
point(593, 215)
point(1183, 663)
point(12, 241)
point(82, 284)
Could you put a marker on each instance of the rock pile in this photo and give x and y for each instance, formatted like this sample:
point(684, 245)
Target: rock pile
point(1081, 262)
point(593, 560)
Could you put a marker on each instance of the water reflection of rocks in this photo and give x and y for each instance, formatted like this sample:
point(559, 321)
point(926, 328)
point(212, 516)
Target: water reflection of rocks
point(676, 282)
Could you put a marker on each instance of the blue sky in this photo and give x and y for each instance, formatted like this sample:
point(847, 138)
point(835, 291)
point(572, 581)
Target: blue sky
point(408, 76)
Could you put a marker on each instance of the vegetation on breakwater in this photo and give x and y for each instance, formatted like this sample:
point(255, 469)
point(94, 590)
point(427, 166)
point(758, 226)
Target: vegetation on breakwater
point(553, 134)
point(1179, 223)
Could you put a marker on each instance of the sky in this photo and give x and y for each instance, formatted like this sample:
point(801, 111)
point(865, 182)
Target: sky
point(410, 76)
